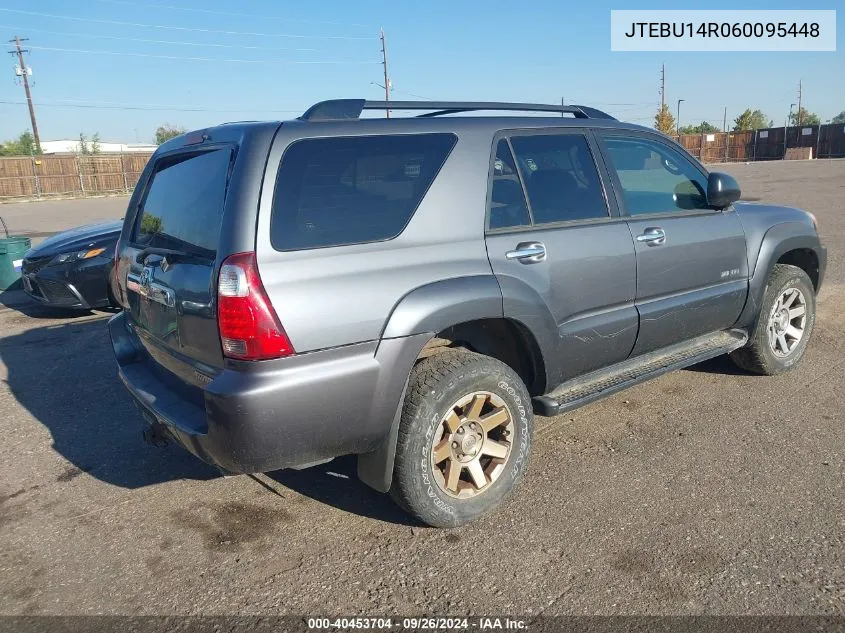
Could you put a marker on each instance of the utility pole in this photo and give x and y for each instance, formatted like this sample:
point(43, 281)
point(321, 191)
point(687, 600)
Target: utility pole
point(725, 120)
point(799, 103)
point(386, 79)
point(562, 104)
point(25, 74)
point(678, 118)
point(786, 127)
point(662, 86)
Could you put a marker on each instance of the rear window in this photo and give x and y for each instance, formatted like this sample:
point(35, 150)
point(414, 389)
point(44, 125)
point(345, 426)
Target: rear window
point(350, 190)
point(184, 203)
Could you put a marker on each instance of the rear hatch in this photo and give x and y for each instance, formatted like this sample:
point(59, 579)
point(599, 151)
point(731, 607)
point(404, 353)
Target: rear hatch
point(172, 257)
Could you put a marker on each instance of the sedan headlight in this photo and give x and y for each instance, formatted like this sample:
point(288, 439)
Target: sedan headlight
point(63, 258)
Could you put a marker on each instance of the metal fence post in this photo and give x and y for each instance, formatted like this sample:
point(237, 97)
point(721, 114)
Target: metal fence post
point(785, 134)
point(123, 171)
point(35, 175)
point(79, 172)
point(754, 150)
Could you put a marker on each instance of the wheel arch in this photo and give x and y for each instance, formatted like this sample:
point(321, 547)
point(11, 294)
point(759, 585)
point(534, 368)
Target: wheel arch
point(787, 243)
point(460, 312)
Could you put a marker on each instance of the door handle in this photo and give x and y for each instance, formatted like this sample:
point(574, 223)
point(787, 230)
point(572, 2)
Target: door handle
point(528, 252)
point(653, 236)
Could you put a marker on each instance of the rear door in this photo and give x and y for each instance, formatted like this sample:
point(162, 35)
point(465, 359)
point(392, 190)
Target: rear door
point(172, 253)
point(692, 268)
point(563, 244)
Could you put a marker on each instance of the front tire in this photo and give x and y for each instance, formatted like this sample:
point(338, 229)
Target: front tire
point(464, 438)
point(784, 326)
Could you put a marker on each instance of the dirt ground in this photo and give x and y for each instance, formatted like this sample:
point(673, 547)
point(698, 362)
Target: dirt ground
point(704, 491)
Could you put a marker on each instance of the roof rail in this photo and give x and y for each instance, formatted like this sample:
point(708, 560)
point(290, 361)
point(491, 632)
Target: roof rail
point(339, 109)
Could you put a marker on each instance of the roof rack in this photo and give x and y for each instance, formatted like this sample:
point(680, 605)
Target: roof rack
point(340, 109)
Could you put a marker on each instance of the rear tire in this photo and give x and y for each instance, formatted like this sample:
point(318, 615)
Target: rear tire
point(784, 325)
point(464, 438)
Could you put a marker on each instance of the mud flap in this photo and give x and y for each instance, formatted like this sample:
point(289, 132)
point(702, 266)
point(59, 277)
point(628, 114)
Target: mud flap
point(376, 467)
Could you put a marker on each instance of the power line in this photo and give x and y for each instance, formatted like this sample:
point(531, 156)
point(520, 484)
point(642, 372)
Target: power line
point(185, 28)
point(173, 42)
point(92, 102)
point(230, 13)
point(201, 59)
point(163, 108)
point(411, 94)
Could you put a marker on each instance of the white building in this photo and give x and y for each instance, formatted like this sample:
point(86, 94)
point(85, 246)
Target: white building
point(72, 147)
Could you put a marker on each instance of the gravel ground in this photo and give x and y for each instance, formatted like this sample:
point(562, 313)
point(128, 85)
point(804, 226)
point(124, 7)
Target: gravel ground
point(704, 491)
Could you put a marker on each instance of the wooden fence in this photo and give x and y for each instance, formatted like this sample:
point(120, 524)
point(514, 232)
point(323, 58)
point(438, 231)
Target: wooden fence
point(69, 175)
point(826, 141)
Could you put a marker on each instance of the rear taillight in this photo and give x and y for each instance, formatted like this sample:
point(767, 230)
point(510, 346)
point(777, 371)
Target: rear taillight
point(249, 328)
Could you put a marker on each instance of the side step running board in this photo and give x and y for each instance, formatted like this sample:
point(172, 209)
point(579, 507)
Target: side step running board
point(603, 382)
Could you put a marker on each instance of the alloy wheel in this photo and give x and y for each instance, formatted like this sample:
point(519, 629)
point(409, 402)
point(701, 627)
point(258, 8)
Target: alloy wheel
point(787, 322)
point(472, 444)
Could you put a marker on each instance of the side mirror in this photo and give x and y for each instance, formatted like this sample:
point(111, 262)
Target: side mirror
point(722, 190)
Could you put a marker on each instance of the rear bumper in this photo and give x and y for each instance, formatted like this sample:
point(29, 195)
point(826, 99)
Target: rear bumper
point(262, 416)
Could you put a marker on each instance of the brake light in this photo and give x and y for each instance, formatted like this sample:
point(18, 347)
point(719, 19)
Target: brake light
point(249, 328)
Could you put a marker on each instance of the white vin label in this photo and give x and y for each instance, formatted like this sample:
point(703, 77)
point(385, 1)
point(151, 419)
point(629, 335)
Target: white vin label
point(723, 30)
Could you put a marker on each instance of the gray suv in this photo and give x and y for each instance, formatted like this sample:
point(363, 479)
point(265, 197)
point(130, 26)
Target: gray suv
point(413, 290)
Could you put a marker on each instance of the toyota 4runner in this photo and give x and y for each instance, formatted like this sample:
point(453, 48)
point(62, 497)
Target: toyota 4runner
point(412, 290)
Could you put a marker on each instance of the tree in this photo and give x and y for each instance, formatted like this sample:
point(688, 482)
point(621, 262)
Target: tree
point(803, 117)
point(167, 131)
point(839, 118)
point(24, 145)
point(151, 223)
point(702, 128)
point(664, 121)
point(750, 120)
point(86, 147)
point(83, 147)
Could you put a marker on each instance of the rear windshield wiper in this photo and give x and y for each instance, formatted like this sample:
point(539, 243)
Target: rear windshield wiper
point(171, 255)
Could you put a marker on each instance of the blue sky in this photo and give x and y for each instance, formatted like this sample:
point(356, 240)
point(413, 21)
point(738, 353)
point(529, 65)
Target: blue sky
point(509, 51)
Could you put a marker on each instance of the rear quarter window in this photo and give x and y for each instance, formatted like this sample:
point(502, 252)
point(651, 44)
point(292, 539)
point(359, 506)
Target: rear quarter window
point(183, 205)
point(351, 190)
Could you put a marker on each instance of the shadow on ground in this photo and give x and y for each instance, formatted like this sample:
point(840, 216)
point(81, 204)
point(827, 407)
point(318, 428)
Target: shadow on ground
point(66, 377)
point(336, 484)
point(719, 365)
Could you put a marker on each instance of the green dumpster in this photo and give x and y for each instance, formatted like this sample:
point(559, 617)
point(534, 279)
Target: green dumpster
point(12, 249)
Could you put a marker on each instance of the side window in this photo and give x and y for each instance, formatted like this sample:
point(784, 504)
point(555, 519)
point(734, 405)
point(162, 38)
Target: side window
point(655, 178)
point(560, 176)
point(354, 189)
point(507, 200)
